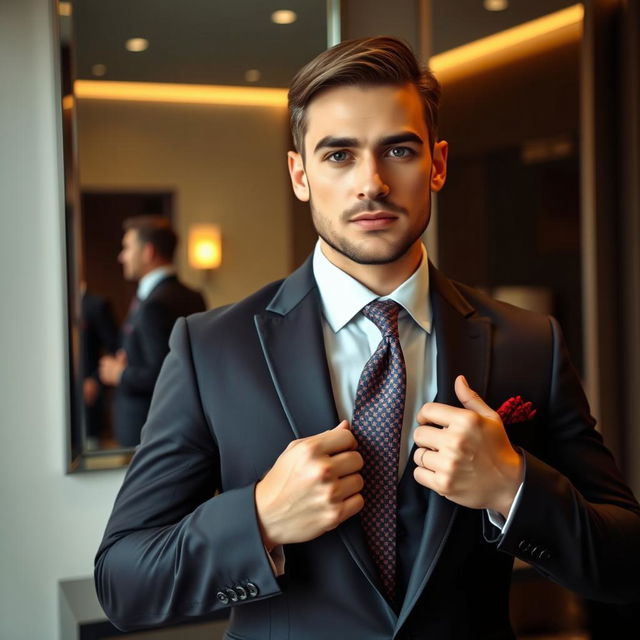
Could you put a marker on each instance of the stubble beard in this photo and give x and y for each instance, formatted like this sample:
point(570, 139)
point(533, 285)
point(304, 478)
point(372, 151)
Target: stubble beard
point(364, 255)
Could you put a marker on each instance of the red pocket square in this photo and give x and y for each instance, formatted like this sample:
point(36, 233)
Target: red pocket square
point(515, 410)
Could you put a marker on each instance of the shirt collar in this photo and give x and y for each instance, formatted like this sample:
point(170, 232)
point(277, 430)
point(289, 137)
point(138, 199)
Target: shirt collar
point(149, 281)
point(343, 297)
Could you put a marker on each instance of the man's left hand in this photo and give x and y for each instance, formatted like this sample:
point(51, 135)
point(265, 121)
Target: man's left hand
point(469, 461)
point(111, 368)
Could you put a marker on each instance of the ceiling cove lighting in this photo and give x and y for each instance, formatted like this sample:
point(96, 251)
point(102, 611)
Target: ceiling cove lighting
point(284, 16)
point(499, 47)
point(136, 45)
point(183, 93)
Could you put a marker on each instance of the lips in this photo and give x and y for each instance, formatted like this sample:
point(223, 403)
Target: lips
point(375, 219)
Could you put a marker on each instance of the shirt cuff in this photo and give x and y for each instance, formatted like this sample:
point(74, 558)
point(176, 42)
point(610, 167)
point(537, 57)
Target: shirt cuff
point(276, 560)
point(498, 520)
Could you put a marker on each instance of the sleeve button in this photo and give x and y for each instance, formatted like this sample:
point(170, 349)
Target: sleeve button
point(251, 589)
point(233, 596)
point(222, 597)
point(242, 592)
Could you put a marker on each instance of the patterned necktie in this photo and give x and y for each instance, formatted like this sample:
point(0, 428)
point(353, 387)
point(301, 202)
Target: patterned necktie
point(377, 424)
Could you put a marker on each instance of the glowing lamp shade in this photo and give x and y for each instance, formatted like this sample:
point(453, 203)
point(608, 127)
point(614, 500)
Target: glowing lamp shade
point(205, 250)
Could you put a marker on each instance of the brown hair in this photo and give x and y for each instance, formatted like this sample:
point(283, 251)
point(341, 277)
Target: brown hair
point(366, 61)
point(157, 231)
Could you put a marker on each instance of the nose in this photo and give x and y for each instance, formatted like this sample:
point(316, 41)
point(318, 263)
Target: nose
point(371, 183)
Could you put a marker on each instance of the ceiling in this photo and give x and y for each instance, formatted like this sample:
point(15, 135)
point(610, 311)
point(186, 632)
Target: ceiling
point(217, 41)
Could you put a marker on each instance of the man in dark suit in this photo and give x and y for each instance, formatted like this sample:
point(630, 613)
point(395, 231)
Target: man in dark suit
point(266, 482)
point(148, 247)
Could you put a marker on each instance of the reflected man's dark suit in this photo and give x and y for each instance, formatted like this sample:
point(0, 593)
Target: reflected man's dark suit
point(98, 336)
point(145, 339)
point(241, 382)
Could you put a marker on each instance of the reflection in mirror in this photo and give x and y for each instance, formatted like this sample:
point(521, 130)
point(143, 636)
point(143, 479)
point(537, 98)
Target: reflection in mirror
point(509, 217)
point(178, 113)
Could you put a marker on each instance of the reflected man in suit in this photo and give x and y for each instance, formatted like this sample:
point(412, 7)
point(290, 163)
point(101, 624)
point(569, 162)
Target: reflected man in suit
point(258, 483)
point(148, 248)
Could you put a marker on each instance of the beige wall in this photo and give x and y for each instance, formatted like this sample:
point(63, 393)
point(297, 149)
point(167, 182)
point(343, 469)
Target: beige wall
point(224, 164)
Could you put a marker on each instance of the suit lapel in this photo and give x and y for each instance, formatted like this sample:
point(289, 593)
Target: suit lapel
point(293, 347)
point(290, 333)
point(463, 342)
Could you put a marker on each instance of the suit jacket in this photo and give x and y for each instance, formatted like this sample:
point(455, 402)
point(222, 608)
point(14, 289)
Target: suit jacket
point(243, 381)
point(145, 339)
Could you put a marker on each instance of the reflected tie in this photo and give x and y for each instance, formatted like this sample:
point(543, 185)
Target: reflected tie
point(377, 424)
point(127, 327)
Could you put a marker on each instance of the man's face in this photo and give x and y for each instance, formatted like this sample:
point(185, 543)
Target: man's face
point(368, 172)
point(132, 256)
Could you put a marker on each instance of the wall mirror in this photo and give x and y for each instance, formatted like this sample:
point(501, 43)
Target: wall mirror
point(178, 110)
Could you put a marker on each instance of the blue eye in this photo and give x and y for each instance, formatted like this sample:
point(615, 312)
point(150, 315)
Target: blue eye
point(338, 156)
point(401, 152)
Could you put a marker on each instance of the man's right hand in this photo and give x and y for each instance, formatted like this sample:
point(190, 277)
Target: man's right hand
point(313, 486)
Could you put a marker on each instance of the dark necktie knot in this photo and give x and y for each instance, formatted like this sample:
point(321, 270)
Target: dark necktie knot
point(384, 314)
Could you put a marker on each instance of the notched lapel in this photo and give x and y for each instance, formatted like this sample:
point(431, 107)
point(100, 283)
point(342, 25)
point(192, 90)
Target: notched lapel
point(464, 347)
point(293, 347)
point(463, 339)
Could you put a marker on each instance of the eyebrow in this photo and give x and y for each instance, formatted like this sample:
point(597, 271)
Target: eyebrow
point(333, 142)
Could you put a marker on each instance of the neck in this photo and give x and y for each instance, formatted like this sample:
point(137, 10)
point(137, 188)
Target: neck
point(382, 279)
point(154, 266)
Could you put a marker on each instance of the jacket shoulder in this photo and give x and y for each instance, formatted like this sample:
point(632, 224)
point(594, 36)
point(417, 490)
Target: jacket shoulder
point(231, 318)
point(502, 314)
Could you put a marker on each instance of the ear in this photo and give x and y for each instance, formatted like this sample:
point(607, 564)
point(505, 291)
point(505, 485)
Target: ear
point(148, 253)
point(439, 165)
point(298, 176)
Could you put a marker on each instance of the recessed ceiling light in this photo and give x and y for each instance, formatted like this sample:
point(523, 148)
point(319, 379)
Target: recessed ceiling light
point(137, 44)
point(284, 16)
point(99, 69)
point(64, 8)
point(495, 5)
point(252, 75)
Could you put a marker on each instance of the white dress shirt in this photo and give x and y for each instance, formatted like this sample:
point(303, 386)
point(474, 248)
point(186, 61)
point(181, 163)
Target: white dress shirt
point(152, 279)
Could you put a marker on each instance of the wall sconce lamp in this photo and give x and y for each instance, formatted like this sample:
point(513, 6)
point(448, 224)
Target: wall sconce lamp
point(205, 247)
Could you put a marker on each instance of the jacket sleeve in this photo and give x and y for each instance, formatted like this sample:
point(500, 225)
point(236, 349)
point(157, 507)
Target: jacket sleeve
point(176, 546)
point(576, 521)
